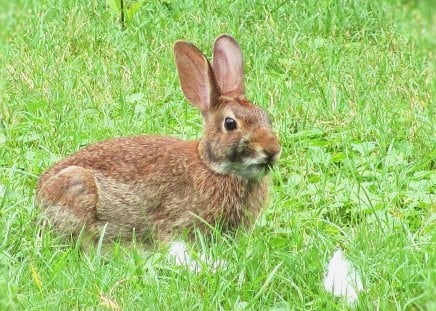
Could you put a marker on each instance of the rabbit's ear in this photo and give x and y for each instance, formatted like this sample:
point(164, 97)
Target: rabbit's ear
point(196, 76)
point(228, 66)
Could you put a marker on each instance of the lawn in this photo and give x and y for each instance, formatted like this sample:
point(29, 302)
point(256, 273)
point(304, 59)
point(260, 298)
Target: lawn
point(350, 87)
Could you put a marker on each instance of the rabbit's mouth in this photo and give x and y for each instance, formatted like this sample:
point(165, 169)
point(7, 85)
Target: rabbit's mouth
point(266, 167)
point(255, 170)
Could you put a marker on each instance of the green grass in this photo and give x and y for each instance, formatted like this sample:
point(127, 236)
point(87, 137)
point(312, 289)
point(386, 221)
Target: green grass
point(350, 87)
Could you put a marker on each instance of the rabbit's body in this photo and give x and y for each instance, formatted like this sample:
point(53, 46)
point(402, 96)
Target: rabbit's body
point(156, 187)
point(128, 191)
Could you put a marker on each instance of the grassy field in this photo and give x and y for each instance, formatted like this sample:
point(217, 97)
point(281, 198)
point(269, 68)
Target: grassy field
point(350, 87)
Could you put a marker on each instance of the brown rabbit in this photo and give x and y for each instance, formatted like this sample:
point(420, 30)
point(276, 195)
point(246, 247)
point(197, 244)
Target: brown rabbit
point(156, 187)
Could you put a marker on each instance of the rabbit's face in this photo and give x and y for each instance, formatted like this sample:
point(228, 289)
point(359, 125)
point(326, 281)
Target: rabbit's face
point(239, 139)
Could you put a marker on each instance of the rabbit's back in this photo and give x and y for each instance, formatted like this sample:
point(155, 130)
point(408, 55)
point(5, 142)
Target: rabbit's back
point(120, 158)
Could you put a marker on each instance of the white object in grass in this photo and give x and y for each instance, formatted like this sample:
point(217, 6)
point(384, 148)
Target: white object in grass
point(342, 279)
point(179, 252)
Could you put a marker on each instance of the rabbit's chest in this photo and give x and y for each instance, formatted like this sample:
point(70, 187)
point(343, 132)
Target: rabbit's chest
point(243, 207)
point(231, 207)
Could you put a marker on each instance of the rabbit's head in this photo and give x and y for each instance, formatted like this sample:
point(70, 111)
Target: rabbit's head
point(237, 138)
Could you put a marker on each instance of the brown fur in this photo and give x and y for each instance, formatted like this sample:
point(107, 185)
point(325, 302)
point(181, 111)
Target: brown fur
point(157, 187)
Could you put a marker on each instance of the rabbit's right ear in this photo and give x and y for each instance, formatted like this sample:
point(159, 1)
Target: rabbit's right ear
point(196, 76)
point(228, 66)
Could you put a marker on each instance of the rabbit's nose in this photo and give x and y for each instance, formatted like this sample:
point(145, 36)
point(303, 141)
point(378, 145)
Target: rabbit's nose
point(272, 150)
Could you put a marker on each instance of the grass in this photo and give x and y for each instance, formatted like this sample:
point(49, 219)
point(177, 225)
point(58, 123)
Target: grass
point(350, 87)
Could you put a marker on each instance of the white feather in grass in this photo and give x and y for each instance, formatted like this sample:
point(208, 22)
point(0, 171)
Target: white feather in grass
point(179, 253)
point(342, 279)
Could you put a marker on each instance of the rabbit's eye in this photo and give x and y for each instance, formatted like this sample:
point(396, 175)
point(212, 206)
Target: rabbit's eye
point(229, 124)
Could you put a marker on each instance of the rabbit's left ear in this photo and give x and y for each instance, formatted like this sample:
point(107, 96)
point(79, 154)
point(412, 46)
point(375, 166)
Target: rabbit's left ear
point(196, 76)
point(228, 66)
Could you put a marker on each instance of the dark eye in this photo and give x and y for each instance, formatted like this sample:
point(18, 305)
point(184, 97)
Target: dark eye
point(229, 124)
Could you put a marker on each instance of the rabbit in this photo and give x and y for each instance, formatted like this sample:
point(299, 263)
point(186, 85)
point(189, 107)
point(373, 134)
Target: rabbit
point(153, 188)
